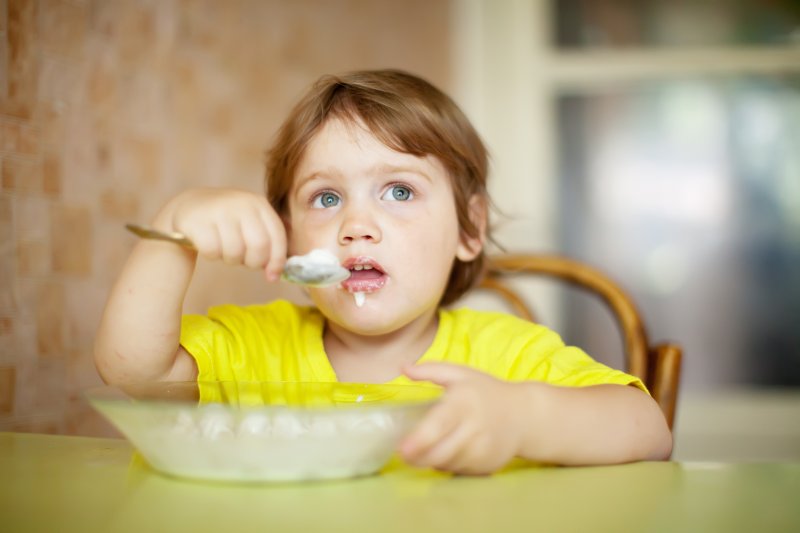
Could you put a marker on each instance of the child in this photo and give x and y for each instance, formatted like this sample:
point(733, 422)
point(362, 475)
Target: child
point(384, 171)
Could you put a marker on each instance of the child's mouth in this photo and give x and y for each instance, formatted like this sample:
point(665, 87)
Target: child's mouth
point(366, 275)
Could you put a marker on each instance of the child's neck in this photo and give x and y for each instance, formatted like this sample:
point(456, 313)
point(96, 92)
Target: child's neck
point(378, 358)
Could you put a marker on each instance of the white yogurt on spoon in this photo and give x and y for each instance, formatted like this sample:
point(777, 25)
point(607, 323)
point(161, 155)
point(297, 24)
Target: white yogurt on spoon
point(317, 268)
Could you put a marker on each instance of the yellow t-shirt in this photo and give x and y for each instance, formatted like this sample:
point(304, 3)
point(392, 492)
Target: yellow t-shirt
point(282, 341)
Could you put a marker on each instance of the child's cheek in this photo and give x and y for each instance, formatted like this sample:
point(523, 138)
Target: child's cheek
point(313, 229)
point(308, 221)
point(406, 211)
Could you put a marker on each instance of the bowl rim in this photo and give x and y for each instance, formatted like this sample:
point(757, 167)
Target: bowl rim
point(116, 394)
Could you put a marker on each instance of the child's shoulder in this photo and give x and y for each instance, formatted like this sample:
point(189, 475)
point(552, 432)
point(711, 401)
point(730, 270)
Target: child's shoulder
point(473, 322)
point(500, 344)
point(493, 327)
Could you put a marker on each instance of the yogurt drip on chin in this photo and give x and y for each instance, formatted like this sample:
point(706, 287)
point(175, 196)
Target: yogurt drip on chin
point(360, 298)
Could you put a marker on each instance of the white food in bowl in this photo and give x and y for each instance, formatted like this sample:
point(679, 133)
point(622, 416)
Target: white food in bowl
point(264, 443)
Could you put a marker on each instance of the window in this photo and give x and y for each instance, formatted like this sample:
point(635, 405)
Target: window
point(660, 141)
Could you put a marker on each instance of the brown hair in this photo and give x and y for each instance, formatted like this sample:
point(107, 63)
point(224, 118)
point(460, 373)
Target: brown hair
point(407, 114)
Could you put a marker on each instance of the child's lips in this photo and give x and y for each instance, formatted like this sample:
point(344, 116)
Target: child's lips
point(366, 275)
point(364, 285)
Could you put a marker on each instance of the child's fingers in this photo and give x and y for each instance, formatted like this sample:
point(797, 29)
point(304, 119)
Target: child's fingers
point(475, 457)
point(438, 423)
point(231, 241)
point(447, 452)
point(444, 374)
point(277, 252)
point(257, 243)
point(464, 451)
point(207, 241)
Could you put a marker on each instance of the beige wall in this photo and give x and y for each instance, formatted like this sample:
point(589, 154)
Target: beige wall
point(109, 107)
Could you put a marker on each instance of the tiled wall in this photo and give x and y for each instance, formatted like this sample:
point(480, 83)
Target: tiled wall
point(107, 108)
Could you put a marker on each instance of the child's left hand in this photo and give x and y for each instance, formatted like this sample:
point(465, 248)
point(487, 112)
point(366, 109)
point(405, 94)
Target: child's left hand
point(475, 429)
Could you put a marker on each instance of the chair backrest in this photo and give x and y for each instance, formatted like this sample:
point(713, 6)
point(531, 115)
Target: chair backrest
point(658, 366)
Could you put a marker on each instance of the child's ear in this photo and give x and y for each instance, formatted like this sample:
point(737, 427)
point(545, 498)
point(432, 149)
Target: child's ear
point(470, 247)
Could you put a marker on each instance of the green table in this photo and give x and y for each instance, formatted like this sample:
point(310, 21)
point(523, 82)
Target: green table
point(55, 483)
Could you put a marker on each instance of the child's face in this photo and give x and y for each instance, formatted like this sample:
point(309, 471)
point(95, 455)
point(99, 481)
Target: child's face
point(371, 205)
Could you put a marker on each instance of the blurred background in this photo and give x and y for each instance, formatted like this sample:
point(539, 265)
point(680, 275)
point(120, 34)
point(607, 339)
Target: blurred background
point(658, 140)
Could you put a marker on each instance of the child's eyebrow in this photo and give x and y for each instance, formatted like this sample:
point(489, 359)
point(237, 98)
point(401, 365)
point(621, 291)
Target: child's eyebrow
point(314, 175)
point(382, 169)
point(399, 169)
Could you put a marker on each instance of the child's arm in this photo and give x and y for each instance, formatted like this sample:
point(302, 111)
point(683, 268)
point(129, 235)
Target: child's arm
point(139, 334)
point(483, 422)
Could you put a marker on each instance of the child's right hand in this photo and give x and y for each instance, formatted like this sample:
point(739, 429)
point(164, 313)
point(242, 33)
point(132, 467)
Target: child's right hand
point(236, 226)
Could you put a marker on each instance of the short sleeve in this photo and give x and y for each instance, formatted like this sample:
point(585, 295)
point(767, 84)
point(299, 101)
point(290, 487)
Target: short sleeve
point(571, 367)
point(209, 342)
point(514, 349)
point(278, 341)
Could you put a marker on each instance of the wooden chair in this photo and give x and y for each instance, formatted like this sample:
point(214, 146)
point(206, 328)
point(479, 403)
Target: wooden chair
point(658, 366)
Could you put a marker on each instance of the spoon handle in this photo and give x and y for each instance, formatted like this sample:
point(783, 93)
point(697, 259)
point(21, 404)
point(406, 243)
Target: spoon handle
point(147, 232)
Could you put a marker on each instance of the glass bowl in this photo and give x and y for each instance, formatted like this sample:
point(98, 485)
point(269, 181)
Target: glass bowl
point(264, 431)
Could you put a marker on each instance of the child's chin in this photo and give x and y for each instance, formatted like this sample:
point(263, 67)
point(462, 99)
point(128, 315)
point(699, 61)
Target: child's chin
point(370, 330)
point(367, 322)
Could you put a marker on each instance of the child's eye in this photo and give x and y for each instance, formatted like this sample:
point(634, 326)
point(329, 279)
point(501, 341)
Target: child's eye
point(398, 193)
point(326, 199)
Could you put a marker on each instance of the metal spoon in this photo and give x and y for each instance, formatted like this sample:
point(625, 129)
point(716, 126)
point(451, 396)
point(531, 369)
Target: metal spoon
point(317, 268)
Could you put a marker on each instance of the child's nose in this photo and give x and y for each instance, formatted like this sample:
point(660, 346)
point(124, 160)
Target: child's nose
point(357, 225)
